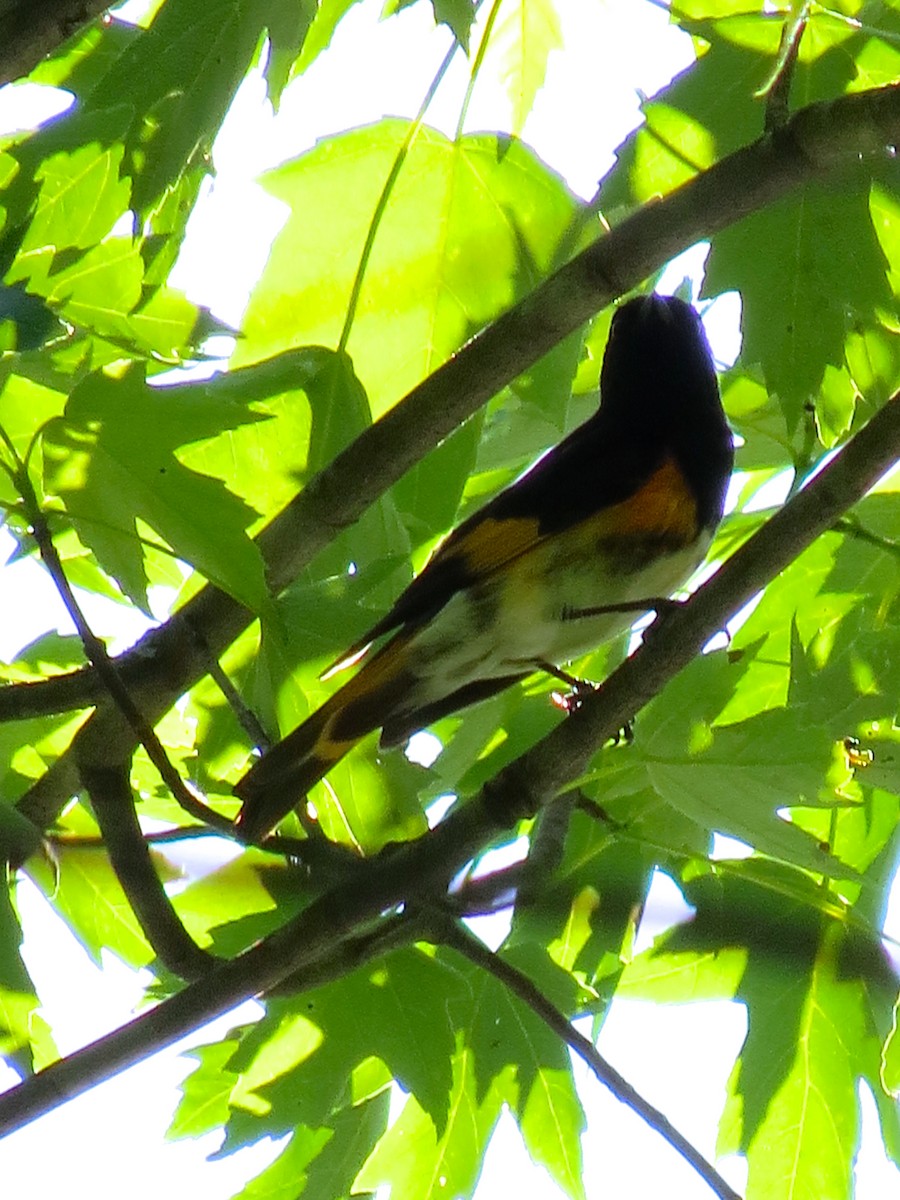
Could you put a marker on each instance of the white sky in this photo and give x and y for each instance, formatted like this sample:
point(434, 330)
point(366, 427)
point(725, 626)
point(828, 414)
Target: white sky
point(588, 104)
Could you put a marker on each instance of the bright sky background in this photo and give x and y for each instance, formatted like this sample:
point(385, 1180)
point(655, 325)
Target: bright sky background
point(678, 1057)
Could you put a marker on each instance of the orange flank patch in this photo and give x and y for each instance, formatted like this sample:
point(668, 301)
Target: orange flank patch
point(664, 507)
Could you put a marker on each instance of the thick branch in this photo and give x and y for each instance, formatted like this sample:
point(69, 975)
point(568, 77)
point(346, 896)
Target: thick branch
point(409, 872)
point(168, 661)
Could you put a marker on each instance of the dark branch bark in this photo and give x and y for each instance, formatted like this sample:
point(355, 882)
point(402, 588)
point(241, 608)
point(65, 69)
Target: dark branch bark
point(35, 28)
point(168, 661)
point(309, 943)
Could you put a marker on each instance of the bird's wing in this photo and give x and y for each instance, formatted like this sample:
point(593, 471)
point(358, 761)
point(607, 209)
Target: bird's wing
point(625, 500)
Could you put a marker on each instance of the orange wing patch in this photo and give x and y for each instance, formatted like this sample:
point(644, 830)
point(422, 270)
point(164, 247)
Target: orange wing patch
point(491, 543)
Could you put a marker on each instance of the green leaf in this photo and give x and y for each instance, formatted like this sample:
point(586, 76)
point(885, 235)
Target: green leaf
point(323, 1162)
point(101, 288)
point(798, 599)
point(24, 1035)
point(307, 405)
point(179, 77)
point(771, 761)
point(371, 800)
point(586, 911)
point(819, 244)
point(80, 62)
point(289, 22)
point(234, 890)
point(891, 1061)
point(165, 324)
point(804, 1144)
point(526, 35)
point(529, 1065)
point(25, 321)
point(458, 16)
point(113, 460)
point(205, 1093)
point(28, 747)
point(295, 1064)
point(422, 1161)
point(87, 895)
point(328, 16)
point(467, 226)
point(82, 196)
point(25, 406)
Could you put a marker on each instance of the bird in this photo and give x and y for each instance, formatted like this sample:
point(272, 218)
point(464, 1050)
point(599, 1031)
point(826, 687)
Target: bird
point(621, 512)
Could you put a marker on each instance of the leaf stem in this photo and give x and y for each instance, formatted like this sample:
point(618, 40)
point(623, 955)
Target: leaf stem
point(381, 206)
point(476, 66)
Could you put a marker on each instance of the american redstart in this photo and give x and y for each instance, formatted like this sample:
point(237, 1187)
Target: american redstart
point(621, 511)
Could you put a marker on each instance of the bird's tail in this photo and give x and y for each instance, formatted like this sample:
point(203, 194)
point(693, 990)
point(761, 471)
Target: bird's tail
point(275, 784)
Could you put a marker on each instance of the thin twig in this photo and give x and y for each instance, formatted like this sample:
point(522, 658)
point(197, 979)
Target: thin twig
point(477, 64)
point(328, 865)
point(464, 942)
point(853, 527)
point(166, 837)
point(545, 848)
point(108, 782)
point(382, 202)
point(105, 667)
point(245, 716)
point(777, 88)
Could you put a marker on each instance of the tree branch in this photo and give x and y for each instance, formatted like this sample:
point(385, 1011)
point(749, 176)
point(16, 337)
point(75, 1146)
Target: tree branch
point(113, 802)
point(168, 661)
point(410, 871)
point(29, 31)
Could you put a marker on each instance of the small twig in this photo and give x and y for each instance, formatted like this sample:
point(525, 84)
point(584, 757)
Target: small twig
point(100, 659)
point(595, 810)
point(777, 87)
point(452, 934)
point(853, 527)
point(388, 187)
point(545, 849)
point(475, 69)
point(45, 697)
point(246, 717)
point(483, 894)
point(166, 837)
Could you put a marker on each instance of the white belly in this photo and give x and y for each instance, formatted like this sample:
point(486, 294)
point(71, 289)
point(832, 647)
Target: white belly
point(515, 621)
